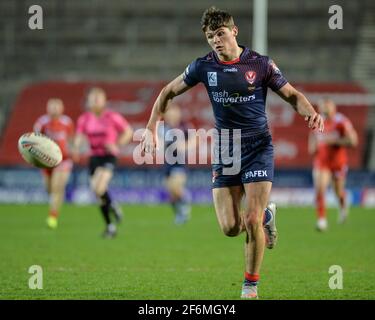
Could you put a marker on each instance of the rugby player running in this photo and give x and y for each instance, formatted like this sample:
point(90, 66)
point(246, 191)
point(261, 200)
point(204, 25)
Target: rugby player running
point(236, 79)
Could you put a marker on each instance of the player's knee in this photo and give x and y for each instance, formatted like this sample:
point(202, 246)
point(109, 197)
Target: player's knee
point(57, 187)
point(231, 229)
point(320, 195)
point(254, 218)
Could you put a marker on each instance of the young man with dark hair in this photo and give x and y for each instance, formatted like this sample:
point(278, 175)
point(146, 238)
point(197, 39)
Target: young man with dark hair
point(236, 79)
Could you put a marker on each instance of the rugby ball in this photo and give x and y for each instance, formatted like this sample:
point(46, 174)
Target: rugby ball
point(39, 150)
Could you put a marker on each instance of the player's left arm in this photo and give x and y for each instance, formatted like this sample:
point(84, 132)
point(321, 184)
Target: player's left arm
point(123, 128)
point(126, 136)
point(301, 105)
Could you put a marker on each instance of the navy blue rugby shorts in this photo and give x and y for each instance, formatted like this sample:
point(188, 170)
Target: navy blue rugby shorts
point(255, 164)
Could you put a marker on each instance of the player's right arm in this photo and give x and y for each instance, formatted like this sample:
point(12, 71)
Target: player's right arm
point(171, 90)
point(39, 125)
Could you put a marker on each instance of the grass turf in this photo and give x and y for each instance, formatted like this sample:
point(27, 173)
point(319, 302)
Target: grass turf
point(153, 259)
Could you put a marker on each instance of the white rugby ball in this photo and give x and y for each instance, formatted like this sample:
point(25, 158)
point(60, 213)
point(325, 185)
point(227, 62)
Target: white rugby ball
point(39, 150)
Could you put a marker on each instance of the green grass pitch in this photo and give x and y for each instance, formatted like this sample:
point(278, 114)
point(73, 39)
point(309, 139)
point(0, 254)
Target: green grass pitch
point(153, 259)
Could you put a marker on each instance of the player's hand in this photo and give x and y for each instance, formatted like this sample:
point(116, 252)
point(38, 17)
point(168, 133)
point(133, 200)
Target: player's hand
point(112, 148)
point(148, 143)
point(315, 122)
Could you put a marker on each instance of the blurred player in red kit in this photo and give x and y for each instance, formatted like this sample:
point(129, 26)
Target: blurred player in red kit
point(331, 159)
point(59, 128)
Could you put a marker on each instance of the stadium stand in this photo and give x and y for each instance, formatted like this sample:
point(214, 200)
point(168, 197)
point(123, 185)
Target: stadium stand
point(83, 39)
point(148, 40)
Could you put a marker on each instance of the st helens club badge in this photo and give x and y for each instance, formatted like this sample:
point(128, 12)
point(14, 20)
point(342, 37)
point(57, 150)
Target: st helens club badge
point(250, 76)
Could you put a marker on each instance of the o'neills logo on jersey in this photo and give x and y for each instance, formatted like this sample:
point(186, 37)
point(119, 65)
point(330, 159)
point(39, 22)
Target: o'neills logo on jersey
point(230, 69)
point(250, 76)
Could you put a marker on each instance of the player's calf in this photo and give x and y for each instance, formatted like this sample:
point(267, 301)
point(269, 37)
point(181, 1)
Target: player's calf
point(343, 208)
